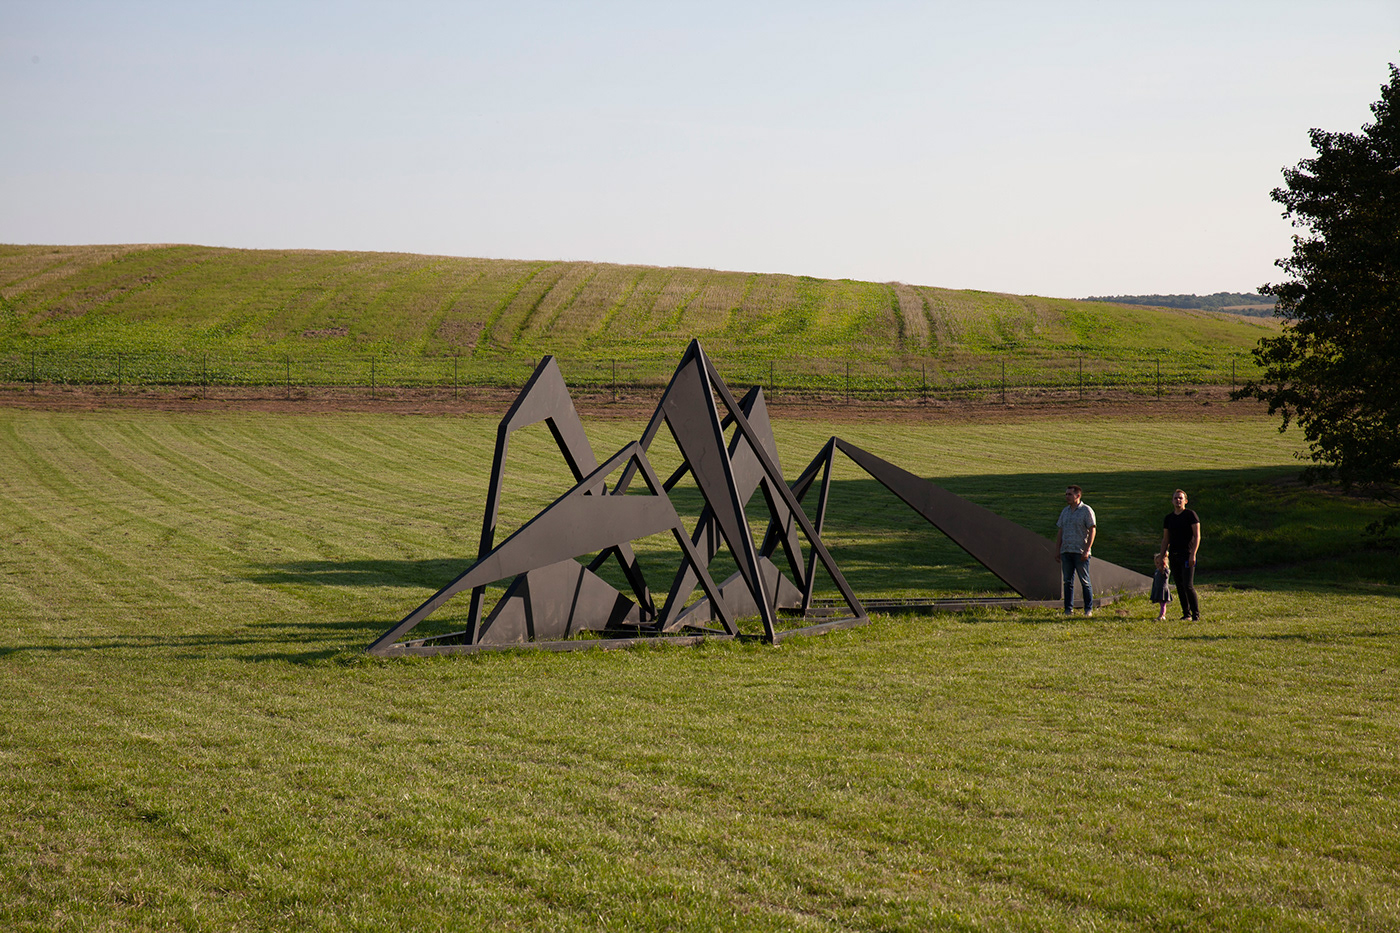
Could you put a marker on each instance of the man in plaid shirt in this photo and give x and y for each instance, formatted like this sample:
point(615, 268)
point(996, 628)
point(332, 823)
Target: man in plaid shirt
point(1072, 542)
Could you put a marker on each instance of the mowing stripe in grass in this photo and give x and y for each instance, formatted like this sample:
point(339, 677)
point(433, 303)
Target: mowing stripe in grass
point(190, 735)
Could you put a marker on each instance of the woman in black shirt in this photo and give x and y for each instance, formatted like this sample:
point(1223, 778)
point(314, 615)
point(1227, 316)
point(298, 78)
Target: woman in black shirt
point(1181, 536)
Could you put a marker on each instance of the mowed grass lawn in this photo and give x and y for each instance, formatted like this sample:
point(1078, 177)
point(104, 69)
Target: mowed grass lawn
point(192, 738)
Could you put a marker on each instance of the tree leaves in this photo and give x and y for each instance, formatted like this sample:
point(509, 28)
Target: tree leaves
point(1335, 368)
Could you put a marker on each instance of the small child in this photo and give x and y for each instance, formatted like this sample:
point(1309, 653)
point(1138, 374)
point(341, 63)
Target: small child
point(1161, 586)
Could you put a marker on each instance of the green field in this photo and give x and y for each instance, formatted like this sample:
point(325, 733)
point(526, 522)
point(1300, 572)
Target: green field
point(192, 737)
point(192, 314)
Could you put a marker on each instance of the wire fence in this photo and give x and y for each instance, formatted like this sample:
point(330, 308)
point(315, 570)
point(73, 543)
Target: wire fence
point(864, 380)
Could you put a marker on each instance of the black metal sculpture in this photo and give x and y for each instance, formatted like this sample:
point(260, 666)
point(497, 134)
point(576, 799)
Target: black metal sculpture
point(552, 597)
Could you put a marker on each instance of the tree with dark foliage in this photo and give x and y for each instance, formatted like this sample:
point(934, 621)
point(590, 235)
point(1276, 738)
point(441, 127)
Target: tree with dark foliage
point(1335, 368)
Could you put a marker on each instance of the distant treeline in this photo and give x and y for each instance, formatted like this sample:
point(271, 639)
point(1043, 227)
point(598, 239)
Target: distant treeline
point(1237, 302)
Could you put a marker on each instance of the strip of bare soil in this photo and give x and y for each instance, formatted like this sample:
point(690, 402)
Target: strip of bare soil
point(1196, 403)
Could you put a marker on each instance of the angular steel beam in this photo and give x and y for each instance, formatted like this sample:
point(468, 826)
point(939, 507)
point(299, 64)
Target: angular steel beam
point(781, 491)
point(545, 397)
point(749, 477)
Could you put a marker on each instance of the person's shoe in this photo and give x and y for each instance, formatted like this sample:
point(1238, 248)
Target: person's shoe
point(1186, 618)
point(1196, 617)
point(1088, 612)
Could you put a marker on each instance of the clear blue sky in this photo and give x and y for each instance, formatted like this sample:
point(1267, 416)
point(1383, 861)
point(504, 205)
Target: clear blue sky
point(1051, 148)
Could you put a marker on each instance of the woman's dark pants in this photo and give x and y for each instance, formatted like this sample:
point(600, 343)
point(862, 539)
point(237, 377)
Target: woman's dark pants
point(1185, 576)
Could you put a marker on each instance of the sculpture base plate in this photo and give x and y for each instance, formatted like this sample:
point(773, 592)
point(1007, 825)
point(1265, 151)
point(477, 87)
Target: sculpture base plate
point(925, 607)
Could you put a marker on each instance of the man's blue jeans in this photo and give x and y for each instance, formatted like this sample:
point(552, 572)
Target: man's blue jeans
point(1076, 565)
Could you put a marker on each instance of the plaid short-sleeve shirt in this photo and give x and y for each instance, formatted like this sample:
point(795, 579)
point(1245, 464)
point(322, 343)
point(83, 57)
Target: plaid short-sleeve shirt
point(1074, 525)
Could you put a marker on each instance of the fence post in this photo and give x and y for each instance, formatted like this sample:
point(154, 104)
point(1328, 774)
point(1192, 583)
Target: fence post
point(923, 380)
point(1081, 377)
point(614, 380)
point(456, 358)
point(33, 372)
point(1003, 380)
point(206, 375)
point(1159, 378)
point(288, 388)
point(371, 377)
point(119, 374)
point(848, 382)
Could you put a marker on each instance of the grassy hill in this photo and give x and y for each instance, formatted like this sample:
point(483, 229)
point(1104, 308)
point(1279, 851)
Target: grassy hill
point(185, 301)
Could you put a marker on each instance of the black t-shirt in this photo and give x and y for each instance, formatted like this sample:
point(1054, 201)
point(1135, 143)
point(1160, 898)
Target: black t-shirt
point(1179, 531)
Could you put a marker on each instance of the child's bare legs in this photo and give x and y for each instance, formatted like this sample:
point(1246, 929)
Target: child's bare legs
point(1160, 559)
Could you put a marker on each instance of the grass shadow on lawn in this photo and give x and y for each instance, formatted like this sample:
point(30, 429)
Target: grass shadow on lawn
point(1261, 527)
point(224, 645)
point(430, 572)
point(1261, 530)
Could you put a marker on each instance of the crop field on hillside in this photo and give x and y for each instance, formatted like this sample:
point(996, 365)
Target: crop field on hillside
point(197, 315)
point(191, 736)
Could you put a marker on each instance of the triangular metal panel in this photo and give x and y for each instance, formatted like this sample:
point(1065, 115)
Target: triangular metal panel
point(1019, 557)
point(782, 492)
point(545, 397)
point(820, 465)
point(556, 601)
point(578, 522)
point(689, 411)
point(748, 477)
point(739, 599)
